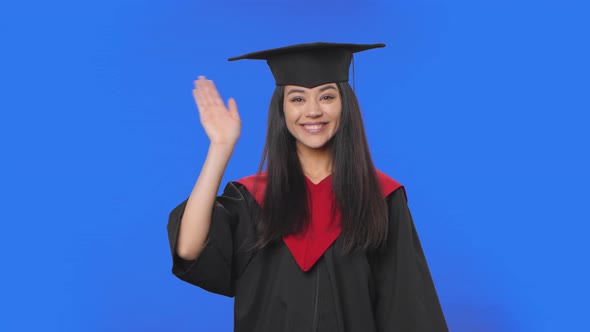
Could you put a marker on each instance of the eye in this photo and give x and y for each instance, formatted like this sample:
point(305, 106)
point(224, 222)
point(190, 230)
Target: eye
point(297, 100)
point(327, 97)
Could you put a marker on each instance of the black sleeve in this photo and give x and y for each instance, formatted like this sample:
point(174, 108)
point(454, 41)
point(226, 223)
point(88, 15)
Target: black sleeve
point(224, 256)
point(406, 298)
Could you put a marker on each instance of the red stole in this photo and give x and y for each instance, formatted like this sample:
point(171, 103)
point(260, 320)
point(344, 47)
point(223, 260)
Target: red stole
point(324, 228)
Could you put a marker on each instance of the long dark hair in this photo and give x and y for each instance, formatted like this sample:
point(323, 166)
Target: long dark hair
point(354, 180)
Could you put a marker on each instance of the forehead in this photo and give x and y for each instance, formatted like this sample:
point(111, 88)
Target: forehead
point(289, 88)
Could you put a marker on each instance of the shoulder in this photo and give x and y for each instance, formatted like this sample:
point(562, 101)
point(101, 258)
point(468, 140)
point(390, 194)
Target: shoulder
point(388, 184)
point(254, 184)
point(252, 180)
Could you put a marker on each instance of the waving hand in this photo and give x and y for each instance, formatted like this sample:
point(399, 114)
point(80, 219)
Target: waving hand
point(222, 124)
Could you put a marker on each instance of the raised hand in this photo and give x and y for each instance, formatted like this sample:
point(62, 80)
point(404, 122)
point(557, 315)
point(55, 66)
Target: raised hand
point(222, 124)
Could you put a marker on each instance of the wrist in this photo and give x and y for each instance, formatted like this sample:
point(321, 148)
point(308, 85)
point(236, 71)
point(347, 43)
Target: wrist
point(221, 149)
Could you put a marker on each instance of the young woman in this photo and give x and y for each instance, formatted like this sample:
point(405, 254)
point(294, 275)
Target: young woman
point(321, 240)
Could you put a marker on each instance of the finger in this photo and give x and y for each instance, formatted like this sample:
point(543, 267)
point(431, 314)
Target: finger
point(233, 108)
point(203, 88)
point(200, 83)
point(198, 94)
point(199, 100)
point(214, 94)
point(197, 91)
point(203, 93)
point(210, 94)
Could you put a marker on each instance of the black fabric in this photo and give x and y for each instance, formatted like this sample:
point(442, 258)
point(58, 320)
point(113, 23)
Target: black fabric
point(310, 64)
point(389, 290)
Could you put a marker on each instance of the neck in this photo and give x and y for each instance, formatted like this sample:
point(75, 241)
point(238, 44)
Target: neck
point(315, 163)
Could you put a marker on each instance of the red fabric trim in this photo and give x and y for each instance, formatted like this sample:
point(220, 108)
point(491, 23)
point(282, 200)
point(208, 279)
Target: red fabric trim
point(388, 185)
point(255, 184)
point(324, 227)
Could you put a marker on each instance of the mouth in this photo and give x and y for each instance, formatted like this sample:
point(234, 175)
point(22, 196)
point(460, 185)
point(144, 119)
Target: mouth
point(314, 128)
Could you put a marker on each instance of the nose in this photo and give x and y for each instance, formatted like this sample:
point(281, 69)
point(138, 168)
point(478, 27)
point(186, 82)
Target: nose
point(314, 110)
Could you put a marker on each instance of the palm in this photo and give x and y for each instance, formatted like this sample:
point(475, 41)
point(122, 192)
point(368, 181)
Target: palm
point(222, 124)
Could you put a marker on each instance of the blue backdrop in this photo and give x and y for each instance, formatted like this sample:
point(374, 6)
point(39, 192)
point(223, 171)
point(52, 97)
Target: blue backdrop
point(479, 108)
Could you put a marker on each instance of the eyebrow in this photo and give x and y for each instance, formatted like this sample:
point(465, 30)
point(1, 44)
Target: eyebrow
point(294, 91)
point(321, 90)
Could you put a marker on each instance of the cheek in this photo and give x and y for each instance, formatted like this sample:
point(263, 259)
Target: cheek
point(336, 114)
point(288, 111)
point(290, 126)
point(292, 115)
point(290, 120)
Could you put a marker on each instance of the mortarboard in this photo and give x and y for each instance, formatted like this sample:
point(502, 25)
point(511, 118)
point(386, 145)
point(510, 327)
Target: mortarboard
point(309, 65)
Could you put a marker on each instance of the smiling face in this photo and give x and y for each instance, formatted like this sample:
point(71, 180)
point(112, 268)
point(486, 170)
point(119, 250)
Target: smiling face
point(312, 115)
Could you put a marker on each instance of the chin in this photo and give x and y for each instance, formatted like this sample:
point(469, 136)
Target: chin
point(317, 147)
point(314, 145)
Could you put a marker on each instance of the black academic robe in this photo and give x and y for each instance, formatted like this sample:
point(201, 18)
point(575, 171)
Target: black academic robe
point(388, 290)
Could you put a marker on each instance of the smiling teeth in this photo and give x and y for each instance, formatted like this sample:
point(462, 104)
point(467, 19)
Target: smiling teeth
point(314, 126)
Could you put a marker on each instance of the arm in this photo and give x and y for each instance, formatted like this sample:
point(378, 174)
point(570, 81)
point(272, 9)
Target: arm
point(195, 222)
point(222, 259)
point(222, 126)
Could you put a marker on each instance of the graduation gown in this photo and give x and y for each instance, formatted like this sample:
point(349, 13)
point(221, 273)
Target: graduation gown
point(386, 290)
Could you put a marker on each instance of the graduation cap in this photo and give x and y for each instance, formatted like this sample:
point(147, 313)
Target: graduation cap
point(311, 64)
